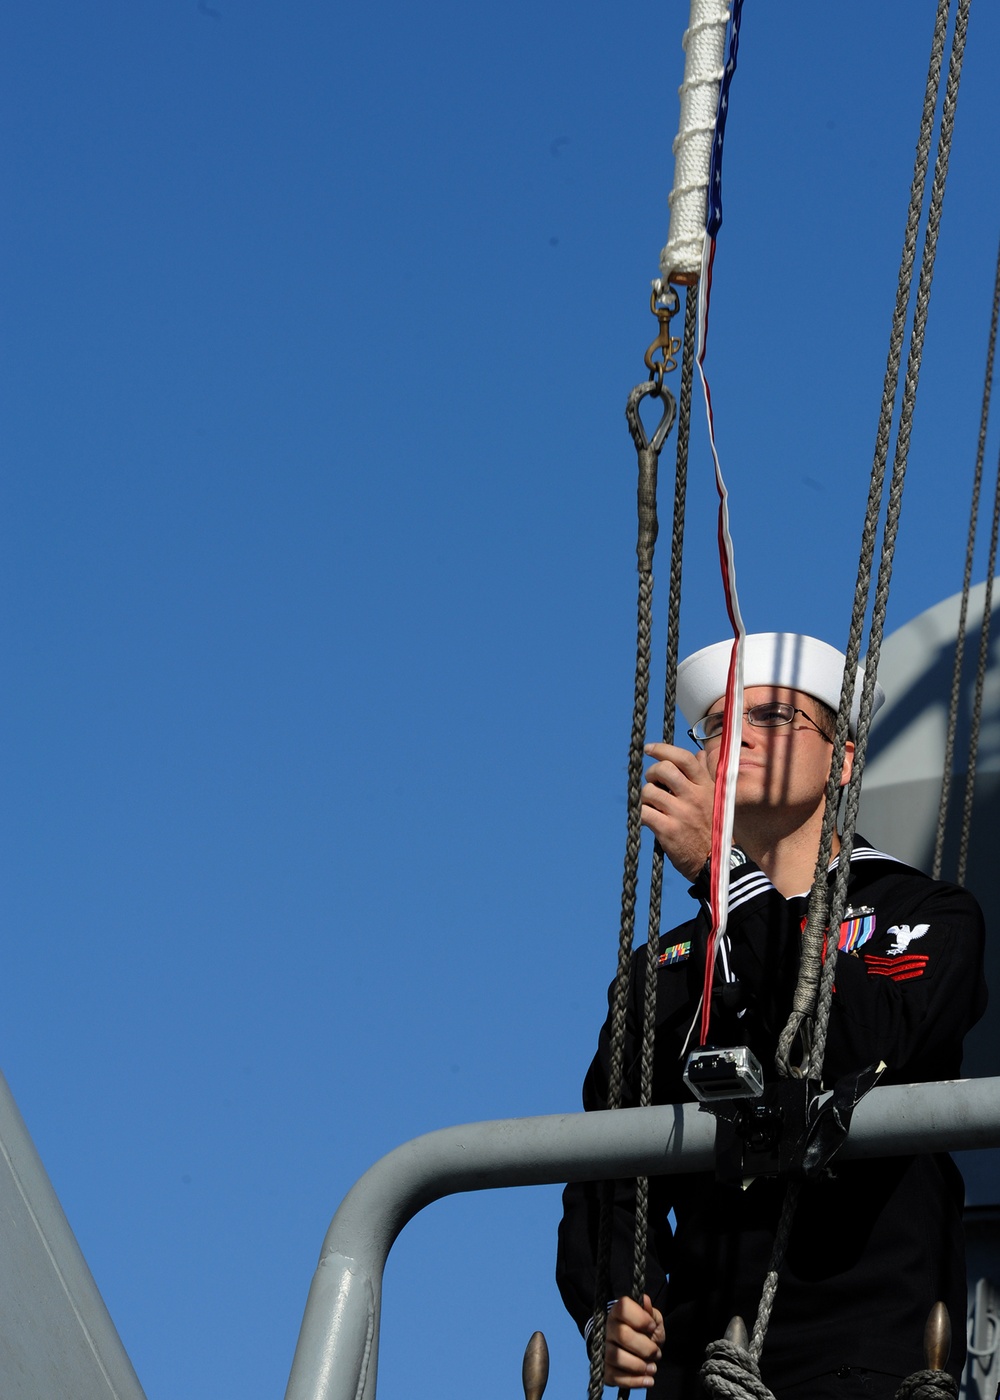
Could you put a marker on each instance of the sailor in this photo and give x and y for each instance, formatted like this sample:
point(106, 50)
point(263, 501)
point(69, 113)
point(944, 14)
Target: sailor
point(873, 1249)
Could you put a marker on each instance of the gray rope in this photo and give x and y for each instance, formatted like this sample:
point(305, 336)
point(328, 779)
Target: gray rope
point(680, 498)
point(770, 1289)
point(648, 455)
point(813, 995)
point(669, 705)
point(598, 1340)
point(956, 675)
point(977, 704)
point(729, 1372)
point(928, 1385)
point(619, 998)
point(910, 382)
point(804, 1002)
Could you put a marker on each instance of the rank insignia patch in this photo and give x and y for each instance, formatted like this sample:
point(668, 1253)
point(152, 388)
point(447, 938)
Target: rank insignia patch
point(900, 969)
point(676, 953)
point(857, 928)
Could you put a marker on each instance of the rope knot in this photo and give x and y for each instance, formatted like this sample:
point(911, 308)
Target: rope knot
point(729, 1372)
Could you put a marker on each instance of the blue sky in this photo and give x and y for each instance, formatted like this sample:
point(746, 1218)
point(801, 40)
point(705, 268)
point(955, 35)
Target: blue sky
point(317, 587)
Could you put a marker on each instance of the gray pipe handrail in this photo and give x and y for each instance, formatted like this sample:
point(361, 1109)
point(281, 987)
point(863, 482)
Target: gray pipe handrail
point(337, 1353)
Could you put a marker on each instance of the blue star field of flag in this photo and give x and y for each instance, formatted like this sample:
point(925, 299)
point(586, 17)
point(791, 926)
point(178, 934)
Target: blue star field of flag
point(713, 220)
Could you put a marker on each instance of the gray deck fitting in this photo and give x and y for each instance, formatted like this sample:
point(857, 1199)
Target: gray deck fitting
point(57, 1340)
point(337, 1353)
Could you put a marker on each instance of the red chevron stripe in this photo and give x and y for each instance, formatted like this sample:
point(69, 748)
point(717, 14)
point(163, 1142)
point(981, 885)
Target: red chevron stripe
point(897, 973)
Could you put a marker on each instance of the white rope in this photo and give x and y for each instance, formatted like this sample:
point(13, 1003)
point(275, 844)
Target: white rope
point(704, 44)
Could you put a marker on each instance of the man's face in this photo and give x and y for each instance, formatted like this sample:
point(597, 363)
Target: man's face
point(786, 768)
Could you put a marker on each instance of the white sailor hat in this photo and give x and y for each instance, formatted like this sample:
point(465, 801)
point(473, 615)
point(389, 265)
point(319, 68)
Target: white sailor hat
point(770, 658)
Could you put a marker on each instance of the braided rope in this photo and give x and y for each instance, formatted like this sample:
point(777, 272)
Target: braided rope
point(619, 997)
point(917, 334)
point(648, 454)
point(813, 995)
point(805, 997)
point(956, 675)
point(598, 1339)
point(928, 1385)
point(680, 495)
point(770, 1289)
point(669, 706)
point(977, 704)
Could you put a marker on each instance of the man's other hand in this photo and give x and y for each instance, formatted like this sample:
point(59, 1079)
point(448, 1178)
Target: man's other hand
point(635, 1334)
point(677, 802)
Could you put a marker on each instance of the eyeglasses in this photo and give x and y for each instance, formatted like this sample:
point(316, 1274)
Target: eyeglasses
point(773, 714)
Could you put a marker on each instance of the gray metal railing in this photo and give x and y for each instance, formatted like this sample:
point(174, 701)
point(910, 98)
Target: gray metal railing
point(337, 1353)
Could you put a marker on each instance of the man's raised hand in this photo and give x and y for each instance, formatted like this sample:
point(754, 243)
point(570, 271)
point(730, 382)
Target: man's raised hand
point(677, 802)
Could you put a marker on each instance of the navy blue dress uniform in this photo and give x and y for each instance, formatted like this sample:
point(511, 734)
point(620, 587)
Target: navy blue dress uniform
point(873, 1249)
